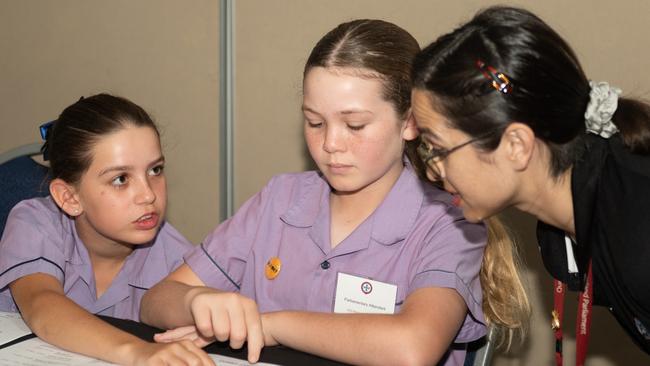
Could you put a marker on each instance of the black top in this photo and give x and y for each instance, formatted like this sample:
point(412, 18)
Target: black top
point(611, 203)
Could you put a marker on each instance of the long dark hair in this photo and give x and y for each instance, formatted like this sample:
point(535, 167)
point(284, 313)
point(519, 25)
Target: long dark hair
point(70, 139)
point(550, 90)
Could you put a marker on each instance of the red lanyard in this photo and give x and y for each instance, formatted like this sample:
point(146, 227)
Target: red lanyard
point(583, 322)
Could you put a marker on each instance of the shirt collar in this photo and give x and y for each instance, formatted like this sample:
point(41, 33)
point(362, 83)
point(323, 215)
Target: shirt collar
point(143, 267)
point(76, 255)
point(396, 215)
point(147, 265)
point(305, 211)
point(389, 224)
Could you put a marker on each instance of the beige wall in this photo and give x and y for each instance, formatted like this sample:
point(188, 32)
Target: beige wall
point(162, 54)
point(274, 38)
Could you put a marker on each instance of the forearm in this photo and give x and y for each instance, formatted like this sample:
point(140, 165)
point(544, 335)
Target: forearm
point(361, 339)
point(167, 305)
point(61, 322)
point(419, 334)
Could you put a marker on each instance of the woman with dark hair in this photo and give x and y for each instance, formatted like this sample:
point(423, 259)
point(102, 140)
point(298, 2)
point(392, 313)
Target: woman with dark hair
point(508, 118)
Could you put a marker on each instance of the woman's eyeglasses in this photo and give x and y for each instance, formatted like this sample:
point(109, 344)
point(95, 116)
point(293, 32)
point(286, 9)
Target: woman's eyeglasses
point(432, 157)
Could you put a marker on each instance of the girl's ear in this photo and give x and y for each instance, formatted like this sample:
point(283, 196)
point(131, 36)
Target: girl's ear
point(410, 129)
point(518, 141)
point(65, 196)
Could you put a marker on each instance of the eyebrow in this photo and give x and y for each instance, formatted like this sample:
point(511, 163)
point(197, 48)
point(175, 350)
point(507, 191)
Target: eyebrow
point(346, 112)
point(307, 109)
point(355, 111)
point(125, 168)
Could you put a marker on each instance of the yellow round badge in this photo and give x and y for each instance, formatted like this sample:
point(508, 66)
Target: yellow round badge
point(272, 268)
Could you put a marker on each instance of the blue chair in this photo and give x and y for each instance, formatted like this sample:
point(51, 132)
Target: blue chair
point(20, 178)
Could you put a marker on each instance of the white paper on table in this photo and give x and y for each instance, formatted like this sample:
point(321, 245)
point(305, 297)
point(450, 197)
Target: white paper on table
point(35, 352)
point(231, 361)
point(12, 327)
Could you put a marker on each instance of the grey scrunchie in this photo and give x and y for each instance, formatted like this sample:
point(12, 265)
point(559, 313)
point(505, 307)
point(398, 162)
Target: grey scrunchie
point(603, 101)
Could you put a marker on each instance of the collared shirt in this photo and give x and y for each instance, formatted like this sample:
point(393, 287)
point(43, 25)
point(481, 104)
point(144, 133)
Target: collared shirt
point(416, 238)
point(39, 238)
point(610, 187)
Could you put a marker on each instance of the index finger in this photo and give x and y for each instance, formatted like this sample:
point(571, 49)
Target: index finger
point(255, 335)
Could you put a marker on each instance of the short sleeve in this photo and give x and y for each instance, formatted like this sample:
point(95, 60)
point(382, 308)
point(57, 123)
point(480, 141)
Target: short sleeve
point(220, 260)
point(452, 258)
point(32, 242)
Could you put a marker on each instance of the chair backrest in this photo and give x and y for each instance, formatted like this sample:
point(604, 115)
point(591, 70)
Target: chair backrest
point(480, 352)
point(20, 178)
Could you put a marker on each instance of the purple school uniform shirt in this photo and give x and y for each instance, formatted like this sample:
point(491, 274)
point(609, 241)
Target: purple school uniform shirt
point(39, 238)
point(416, 238)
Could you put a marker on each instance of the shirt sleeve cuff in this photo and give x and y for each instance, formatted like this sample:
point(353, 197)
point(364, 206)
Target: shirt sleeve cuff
point(22, 269)
point(473, 326)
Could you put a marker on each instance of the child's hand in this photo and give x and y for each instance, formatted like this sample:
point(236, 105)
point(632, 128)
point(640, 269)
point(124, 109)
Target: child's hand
point(188, 332)
point(176, 353)
point(228, 316)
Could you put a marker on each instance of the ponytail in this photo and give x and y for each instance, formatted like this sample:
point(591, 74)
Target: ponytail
point(505, 303)
point(632, 118)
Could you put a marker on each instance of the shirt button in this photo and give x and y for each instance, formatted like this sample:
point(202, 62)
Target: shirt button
point(325, 265)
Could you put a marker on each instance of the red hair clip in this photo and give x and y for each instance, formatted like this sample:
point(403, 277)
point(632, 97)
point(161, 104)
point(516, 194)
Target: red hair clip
point(499, 80)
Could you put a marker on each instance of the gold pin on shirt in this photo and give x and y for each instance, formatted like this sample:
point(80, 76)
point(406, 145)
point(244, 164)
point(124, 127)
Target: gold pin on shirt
point(273, 268)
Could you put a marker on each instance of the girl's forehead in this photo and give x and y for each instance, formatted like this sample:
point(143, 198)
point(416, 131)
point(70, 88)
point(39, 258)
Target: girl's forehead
point(129, 146)
point(327, 89)
point(359, 72)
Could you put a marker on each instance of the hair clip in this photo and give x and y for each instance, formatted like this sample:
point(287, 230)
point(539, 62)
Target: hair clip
point(45, 128)
point(499, 80)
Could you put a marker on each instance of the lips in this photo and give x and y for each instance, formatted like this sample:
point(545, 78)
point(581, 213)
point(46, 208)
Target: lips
point(338, 165)
point(147, 221)
point(338, 168)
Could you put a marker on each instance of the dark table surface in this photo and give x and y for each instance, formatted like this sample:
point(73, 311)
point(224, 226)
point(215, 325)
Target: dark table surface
point(278, 355)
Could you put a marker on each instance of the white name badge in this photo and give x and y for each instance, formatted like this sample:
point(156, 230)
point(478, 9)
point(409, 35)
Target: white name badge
point(361, 295)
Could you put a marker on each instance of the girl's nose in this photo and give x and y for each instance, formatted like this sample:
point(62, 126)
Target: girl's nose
point(333, 140)
point(145, 194)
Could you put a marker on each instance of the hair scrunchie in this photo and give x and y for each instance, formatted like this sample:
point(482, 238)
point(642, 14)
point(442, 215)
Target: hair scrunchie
point(603, 101)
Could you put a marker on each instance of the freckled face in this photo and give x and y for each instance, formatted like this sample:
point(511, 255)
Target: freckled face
point(353, 134)
point(477, 179)
point(123, 193)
